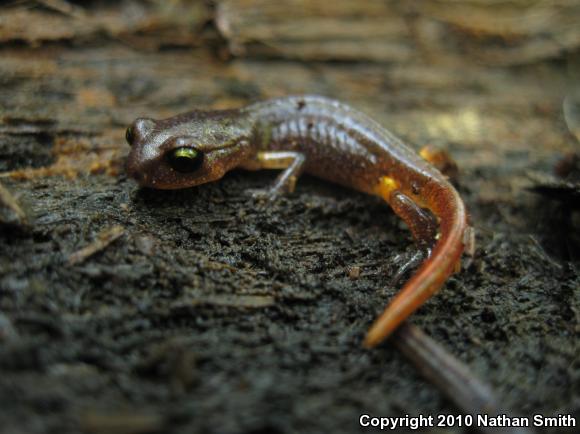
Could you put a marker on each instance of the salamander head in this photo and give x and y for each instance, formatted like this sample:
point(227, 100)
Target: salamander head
point(186, 150)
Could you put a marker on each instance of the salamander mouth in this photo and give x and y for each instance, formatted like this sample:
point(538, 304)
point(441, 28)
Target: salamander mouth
point(158, 174)
point(139, 170)
point(136, 174)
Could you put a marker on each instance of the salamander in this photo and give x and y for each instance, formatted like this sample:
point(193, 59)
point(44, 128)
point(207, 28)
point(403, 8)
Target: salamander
point(329, 140)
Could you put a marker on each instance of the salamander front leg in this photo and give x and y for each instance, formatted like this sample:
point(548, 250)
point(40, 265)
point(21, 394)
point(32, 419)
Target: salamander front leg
point(291, 162)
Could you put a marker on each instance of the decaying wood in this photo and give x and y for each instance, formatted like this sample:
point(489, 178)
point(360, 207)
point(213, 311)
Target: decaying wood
point(165, 23)
point(453, 378)
point(507, 32)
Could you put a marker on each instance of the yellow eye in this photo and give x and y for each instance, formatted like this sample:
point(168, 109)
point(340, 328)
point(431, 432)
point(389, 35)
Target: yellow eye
point(185, 159)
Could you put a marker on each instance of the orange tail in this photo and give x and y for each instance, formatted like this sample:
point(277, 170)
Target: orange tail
point(446, 204)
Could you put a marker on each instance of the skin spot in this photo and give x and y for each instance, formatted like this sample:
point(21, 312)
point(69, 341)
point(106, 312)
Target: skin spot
point(415, 188)
point(386, 186)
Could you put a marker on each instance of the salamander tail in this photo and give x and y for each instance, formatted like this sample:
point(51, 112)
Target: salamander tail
point(433, 272)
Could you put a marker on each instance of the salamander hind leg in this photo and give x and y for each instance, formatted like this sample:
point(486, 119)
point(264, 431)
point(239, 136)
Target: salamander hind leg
point(423, 226)
point(406, 262)
point(291, 162)
point(440, 158)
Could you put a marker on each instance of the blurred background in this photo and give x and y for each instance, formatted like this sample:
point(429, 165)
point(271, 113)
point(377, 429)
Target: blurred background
point(484, 73)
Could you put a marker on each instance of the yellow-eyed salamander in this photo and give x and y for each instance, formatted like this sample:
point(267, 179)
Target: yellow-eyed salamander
point(329, 140)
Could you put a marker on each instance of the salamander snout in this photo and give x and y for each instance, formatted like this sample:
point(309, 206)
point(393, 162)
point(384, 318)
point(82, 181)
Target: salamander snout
point(137, 137)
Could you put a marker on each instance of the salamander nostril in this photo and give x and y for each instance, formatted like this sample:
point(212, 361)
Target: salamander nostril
point(142, 127)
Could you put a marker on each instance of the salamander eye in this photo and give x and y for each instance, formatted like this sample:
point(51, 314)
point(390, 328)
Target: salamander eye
point(185, 159)
point(129, 135)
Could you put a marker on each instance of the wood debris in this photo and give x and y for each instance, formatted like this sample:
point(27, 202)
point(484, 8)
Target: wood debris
point(11, 213)
point(105, 238)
